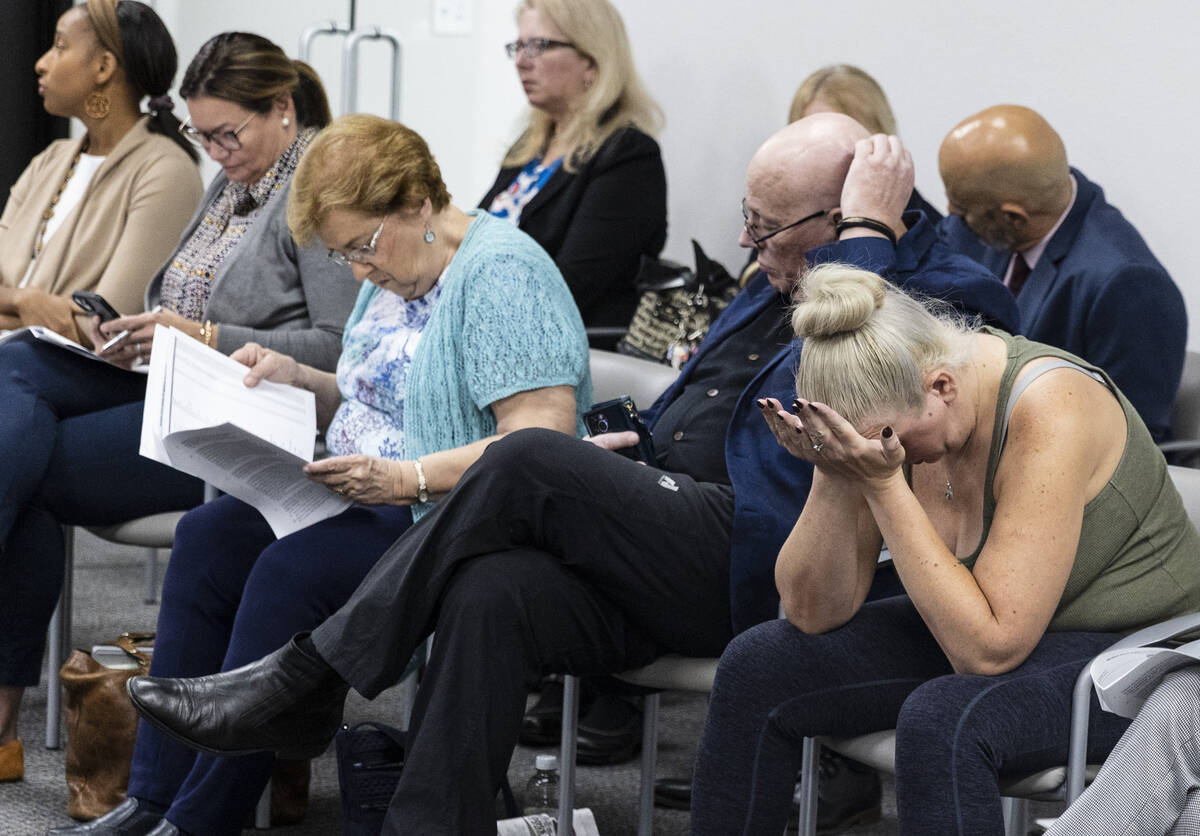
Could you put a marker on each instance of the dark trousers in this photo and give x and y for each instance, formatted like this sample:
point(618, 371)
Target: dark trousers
point(551, 555)
point(955, 734)
point(69, 435)
point(232, 594)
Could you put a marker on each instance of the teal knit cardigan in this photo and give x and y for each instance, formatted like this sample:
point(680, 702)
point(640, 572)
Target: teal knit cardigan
point(505, 323)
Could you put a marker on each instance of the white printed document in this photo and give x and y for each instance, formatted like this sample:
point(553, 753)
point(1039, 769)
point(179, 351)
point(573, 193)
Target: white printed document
point(1125, 678)
point(250, 443)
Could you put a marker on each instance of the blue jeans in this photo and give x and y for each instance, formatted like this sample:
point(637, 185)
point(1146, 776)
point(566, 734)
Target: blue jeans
point(231, 595)
point(955, 733)
point(69, 435)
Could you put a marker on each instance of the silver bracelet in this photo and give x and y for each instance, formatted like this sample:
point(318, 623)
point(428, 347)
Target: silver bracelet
point(422, 488)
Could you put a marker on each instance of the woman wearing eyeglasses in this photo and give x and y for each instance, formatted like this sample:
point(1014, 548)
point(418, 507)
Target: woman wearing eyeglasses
point(101, 212)
point(70, 426)
point(464, 331)
point(584, 179)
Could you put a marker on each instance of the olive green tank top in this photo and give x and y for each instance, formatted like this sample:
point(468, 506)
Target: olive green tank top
point(1138, 559)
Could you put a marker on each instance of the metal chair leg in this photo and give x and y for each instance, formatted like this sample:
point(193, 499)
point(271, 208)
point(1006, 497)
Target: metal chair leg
point(566, 765)
point(808, 787)
point(58, 642)
point(262, 810)
point(150, 573)
point(1016, 816)
point(649, 763)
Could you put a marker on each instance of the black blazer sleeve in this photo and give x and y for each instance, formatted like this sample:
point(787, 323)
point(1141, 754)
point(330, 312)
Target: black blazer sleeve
point(598, 222)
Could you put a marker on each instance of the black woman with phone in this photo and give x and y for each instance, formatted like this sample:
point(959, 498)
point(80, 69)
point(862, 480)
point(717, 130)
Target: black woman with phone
point(99, 212)
point(70, 426)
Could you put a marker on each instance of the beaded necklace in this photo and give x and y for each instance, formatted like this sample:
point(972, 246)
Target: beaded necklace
point(49, 213)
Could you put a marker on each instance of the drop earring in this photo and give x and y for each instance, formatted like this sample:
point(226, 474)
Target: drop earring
point(429, 236)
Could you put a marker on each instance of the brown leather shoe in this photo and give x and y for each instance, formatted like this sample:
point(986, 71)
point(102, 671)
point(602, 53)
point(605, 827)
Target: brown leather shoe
point(12, 761)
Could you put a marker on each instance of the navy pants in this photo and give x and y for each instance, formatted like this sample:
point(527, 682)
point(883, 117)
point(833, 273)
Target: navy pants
point(69, 435)
point(955, 733)
point(232, 594)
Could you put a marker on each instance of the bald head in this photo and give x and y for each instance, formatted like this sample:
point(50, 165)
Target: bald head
point(793, 185)
point(1007, 158)
point(807, 160)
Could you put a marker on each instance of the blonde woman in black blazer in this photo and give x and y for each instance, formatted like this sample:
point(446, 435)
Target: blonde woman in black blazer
point(585, 179)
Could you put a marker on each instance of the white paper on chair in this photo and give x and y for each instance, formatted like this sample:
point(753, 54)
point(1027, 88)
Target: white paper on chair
point(38, 332)
point(1125, 678)
point(250, 443)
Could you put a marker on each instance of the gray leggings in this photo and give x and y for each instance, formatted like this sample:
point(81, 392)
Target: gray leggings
point(883, 669)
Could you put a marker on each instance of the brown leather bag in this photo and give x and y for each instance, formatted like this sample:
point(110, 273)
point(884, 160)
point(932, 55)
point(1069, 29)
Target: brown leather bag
point(101, 727)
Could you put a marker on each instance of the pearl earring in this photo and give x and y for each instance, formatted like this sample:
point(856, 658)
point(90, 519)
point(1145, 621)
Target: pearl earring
point(429, 236)
point(286, 121)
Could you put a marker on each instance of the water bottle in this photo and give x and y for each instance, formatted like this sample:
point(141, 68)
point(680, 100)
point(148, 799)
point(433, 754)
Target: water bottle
point(541, 793)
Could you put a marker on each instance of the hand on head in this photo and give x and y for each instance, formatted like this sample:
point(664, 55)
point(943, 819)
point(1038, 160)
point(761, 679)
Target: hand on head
point(880, 181)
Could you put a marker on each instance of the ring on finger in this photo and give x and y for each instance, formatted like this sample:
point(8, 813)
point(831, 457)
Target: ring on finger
point(817, 437)
point(817, 446)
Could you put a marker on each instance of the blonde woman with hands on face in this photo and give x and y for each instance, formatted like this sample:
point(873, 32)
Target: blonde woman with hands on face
point(1030, 518)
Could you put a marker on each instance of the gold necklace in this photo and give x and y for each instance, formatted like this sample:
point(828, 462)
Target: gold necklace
point(49, 213)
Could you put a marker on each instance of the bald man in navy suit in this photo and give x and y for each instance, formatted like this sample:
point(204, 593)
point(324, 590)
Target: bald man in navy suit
point(1084, 279)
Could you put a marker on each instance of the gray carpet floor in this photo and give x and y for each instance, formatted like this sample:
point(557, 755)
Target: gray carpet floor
point(108, 599)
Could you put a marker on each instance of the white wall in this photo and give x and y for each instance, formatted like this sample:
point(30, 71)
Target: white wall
point(1113, 77)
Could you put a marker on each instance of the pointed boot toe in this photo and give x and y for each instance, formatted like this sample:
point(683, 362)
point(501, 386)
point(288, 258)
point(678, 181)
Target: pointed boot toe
point(288, 702)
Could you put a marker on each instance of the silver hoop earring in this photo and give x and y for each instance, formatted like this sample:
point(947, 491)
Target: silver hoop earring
point(429, 236)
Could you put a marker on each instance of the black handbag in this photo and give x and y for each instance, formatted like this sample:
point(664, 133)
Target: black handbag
point(370, 758)
point(676, 307)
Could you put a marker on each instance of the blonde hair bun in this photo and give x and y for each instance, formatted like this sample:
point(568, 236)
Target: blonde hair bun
point(838, 299)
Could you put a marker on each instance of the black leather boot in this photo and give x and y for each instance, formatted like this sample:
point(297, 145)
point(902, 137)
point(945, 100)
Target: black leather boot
point(132, 817)
point(289, 702)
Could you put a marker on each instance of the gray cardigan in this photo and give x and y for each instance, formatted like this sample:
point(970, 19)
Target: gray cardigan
point(291, 299)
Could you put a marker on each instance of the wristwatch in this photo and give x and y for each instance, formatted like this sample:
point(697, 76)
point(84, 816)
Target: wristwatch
point(422, 488)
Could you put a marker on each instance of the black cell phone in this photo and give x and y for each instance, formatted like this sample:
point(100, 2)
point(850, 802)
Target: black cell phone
point(619, 415)
point(95, 304)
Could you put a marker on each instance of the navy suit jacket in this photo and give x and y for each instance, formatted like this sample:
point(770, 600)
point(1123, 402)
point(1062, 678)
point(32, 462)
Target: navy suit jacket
point(1098, 292)
point(770, 485)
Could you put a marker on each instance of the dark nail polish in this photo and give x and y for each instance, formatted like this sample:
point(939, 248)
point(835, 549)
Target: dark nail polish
point(796, 405)
point(887, 432)
point(798, 429)
point(762, 404)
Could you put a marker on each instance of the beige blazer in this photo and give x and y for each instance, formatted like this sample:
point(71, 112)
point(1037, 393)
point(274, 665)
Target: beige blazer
point(113, 241)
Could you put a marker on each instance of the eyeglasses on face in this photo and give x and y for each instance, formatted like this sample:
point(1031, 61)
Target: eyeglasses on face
point(534, 47)
point(359, 254)
point(227, 140)
point(759, 240)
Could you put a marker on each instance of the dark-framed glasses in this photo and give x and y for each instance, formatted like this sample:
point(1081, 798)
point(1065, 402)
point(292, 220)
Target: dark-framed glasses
point(759, 240)
point(224, 139)
point(359, 254)
point(534, 47)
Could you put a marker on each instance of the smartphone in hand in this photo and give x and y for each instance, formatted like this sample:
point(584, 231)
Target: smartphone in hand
point(618, 415)
point(94, 304)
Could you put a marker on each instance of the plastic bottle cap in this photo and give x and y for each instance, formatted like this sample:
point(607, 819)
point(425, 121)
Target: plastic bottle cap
point(546, 762)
